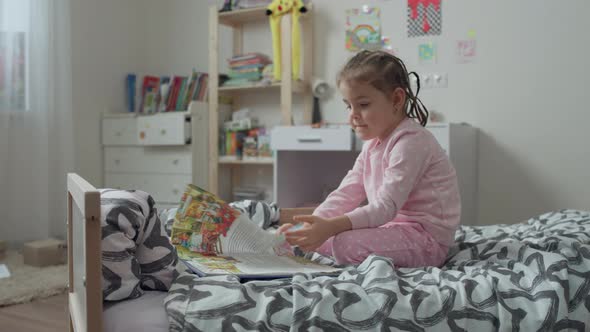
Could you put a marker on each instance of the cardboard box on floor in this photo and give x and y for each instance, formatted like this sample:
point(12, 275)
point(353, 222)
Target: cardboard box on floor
point(45, 252)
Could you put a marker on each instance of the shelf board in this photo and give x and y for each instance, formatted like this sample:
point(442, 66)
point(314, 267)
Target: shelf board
point(298, 86)
point(232, 160)
point(241, 16)
point(238, 17)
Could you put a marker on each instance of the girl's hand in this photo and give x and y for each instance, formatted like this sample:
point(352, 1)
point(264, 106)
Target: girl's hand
point(284, 228)
point(315, 232)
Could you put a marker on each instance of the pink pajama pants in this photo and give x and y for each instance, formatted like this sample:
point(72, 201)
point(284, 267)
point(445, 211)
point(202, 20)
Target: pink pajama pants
point(408, 244)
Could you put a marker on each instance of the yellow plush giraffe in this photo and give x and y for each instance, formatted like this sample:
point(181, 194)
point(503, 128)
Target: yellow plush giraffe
point(275, 11)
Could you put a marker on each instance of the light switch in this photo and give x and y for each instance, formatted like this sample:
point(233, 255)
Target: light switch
point(433, 80)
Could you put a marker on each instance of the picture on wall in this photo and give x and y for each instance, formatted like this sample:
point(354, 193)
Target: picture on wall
point(424, 18)
point(363, 29)
point(466, 51)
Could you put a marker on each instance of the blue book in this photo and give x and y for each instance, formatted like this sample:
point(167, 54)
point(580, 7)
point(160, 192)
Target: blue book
point(130, 86)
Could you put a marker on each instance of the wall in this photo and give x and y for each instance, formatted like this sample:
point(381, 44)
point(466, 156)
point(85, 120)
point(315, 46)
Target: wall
point(108, 39)
point(524, 92)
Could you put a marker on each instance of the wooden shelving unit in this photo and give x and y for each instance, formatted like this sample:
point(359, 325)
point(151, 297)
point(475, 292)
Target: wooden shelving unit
point(287, 87)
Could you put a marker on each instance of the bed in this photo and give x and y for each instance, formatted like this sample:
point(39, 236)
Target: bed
point(528, 276)
point(85, 298)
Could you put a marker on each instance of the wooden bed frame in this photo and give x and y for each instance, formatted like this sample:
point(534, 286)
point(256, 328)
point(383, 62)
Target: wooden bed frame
point(84, 256)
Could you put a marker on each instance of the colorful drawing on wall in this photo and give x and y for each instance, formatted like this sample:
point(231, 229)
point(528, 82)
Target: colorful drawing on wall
point(424, 18)
point(427, 53)
point(386, 45)
point(466, 51)
point(363, 29)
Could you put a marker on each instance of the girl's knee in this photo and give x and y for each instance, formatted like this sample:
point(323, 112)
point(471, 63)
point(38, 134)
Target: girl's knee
point(346, 250)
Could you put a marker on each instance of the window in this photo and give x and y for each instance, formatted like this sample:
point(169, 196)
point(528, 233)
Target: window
point(14, 55)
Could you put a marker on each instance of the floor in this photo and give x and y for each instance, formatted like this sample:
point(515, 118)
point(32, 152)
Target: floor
point(47, 315)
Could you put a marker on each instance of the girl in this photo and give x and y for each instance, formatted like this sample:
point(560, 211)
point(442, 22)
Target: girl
point(413, 205)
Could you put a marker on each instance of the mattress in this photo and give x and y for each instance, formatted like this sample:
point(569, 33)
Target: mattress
point(145, 314)
point(532, 276)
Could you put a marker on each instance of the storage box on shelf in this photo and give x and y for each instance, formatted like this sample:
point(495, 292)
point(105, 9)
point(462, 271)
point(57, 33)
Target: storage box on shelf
point(287, 87)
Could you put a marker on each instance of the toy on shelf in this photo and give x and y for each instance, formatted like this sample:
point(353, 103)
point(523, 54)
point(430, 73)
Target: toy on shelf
point(276, 10)
point(227, 6)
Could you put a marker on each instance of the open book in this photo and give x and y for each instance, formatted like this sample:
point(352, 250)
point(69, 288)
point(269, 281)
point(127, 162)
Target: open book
point(213, 238)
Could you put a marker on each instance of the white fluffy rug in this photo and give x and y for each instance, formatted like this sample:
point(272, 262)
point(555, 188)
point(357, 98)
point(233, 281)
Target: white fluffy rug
point(27, 283)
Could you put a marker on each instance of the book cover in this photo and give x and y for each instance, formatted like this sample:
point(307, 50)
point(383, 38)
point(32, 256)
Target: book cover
point(176, 85)
point(213, 238)
point(163, 94)
point(130, 88)
point(150, 85)
point(181, 94)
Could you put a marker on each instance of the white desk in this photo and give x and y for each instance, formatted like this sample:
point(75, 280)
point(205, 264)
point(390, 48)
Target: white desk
point(311, 162)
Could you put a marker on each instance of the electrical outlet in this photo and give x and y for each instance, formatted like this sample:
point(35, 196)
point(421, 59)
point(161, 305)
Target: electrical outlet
point(431, 81)
point(440, 80)
point(427, 81)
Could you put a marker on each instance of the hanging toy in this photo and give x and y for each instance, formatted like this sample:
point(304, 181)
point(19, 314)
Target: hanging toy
point(275, 11)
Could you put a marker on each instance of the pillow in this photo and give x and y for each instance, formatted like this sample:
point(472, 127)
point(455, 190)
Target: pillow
point(136, 252)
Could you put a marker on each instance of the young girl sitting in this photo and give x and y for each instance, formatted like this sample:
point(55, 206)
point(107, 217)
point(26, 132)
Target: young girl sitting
point(411, 187)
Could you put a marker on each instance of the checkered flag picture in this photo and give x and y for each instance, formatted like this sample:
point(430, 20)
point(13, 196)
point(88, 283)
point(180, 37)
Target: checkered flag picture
point(421, 23)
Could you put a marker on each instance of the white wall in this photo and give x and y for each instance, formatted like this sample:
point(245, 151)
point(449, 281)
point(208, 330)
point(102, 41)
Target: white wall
point(108, 38)
point(524, 92)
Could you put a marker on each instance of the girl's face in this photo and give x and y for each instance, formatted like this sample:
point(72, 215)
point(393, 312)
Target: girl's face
point(372, 113)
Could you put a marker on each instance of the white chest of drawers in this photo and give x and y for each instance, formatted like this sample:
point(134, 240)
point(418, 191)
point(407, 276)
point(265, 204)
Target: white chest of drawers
point(159, 154)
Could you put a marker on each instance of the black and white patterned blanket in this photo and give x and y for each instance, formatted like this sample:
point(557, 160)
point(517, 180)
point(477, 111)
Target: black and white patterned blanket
point(136, 252)
point(533, 276)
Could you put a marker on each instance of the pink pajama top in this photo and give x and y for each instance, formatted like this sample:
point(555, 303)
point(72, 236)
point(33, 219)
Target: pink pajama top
point(406, 177)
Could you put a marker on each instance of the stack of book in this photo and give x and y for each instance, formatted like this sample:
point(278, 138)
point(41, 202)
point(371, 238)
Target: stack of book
point(167, 94)
point(246, 68)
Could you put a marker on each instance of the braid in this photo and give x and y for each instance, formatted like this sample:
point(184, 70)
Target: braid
point(417, 110)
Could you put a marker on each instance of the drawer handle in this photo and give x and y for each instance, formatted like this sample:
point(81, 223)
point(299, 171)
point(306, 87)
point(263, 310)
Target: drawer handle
point(309, 139)
point(117, 161)
point(163, 132)
point(175, 191)
point(175, 162)
point(118, 133)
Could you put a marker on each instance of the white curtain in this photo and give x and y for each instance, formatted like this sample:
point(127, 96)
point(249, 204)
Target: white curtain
point(36, 148)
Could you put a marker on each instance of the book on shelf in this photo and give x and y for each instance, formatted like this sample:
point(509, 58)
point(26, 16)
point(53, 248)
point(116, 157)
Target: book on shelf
point(149, 92)
point(213, 238)
point(168, 93)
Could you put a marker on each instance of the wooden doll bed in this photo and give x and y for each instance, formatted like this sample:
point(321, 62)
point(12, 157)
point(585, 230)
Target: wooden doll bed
point(84, 257)
point(84, 265)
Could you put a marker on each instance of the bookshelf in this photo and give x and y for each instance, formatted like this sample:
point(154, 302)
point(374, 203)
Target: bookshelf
point(286, 88)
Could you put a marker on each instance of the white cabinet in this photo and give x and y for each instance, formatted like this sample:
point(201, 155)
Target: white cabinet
point(163, 129)
point(303, 174)
point(159, 154)
point(169, 160)
point(460, 143)
point(119, 130)
point(305, 138)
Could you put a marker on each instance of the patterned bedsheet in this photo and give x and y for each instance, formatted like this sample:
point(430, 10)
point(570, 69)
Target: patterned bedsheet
point(533, 276)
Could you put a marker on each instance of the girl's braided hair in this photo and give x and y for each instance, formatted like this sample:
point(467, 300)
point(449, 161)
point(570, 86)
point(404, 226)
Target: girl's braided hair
point(385, 72)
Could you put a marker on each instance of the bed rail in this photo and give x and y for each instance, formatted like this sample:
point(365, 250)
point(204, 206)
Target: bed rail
point(84, 256)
